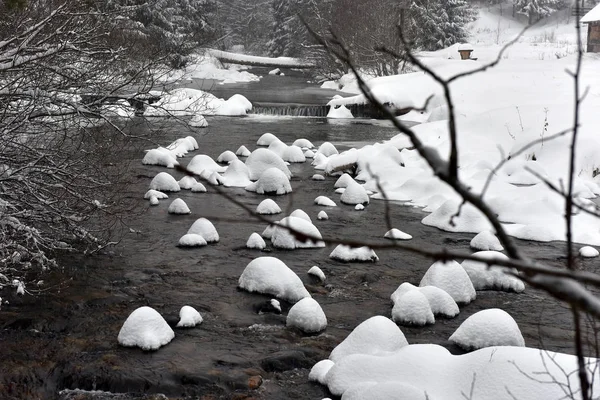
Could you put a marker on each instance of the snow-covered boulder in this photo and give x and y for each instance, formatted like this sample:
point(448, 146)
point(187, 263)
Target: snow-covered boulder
point(493, 277)
point(340, 112)
point(154, 201)
point(318, 177)
point(278, 147)
point(293, 154)
point(452, 278)
point(377, 336)
point(193, 142)
point(226, 157)
point(486, 240)
point(303, 143)
point(307, 315)
point(397, 234)
point(198, 121)
point(187, 182)
point(359, 207)
point(206, 229)
point(164, 182)
point(178, 206)
point(413, 309)
point(236, 175)
point(322, 215)
point(261, 160)
point(271, 181)
point(189, 317)
point(255, 241)
point(386, 391)
point(319, 371)
point(298, 213)
point(347, 253)
point(145, 328)
point(282, 238)
point(198, 188)
point(268, 207)
point(269, 275)
point(309, 154)
point(440, 302)
point(325, 201)
point(588, 252)
point(445, 218)
point(181, 146)
point(242, 151)
point(266, 139)
point(343, 181)
point(355, 193)
point(316, 271)
point(157, 157)
point(492, 327)
point(202, 163)
point(327, 149)
point(192, 240)
point(155, 193)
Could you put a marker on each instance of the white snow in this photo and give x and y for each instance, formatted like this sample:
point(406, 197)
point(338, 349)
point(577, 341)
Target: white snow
point(154, 201)
point(158, 157)
point(346, 253)
point(324, 201)
point(198, 121)
point(189, 317)
point(359, 207)
point(303, 143)
point(343, 181)
point(319, 371)
point(339, 112)
point(178, 206)
point(493, 277)
point(469, 220)
point(412, 309)
point(255, 241)
point(262, 159)
point(271, 181)
point(376, 336)
point(276, 304)
point(236, 175)
point(451, 277)
point(263, 61)
point(269, 275)
point(164, 182)
point(186, 101)
point(266, 139)
point(226, 157)
point(207, 67)
point(440, 302)
point(307, 315)
point(318, 177)
point(145, 328)
point(192, 240)
point(198, 188)
point(316, 271)
point(243, 151)
point(275, 71)
point(327, 149)
point(282, 238)
point(155, 193)
point(354, 194)
point(592, 15)
point(486, 328)
point(486, 240)
point(322, 215)
point(588, 252)
point(293, 154)
point(206, 229)
point(397, 234)
point(187, 182)
point(201, 164)
point(386, 391)
point(309, 154)
point(268, 207)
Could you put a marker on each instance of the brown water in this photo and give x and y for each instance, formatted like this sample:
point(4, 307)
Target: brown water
point(66, 338)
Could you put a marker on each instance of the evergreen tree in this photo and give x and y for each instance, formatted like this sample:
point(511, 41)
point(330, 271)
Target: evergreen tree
point(538, 9)
point(289, 34)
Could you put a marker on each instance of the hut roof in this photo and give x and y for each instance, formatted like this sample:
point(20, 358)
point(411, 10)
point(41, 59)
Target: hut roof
point(592, 16)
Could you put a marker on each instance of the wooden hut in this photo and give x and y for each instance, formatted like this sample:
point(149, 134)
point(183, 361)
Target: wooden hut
point(592, 19)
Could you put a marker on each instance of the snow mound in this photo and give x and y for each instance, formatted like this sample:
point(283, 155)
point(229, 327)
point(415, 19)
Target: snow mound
point(153, 201)
point(226, 157)
point(261, 160)
point(386, 391)
point(377, 336)
point(307, 315)
point(440, 302)
point(266, 139)
point(182, 146)
point(588, 252)
point(397, 234)
point(339, 112)
point(282, 238)
point(316, 271)
point(492, 327)
point(319, 371)
point(198, 121)
point(318, 177)
point(155, 193)
point(206, 229)
point(343, 181)
point(192, 240)
point(269, 275)
point(486, 240)
point(327, 149)
point(452, 278)
point(469, 220)
point(255, 241)
point(347, 253)
point(293, 154)
point(193, 142)
point(278, 147)
point(242, 151)
point(178, 206)
point(187, 182)
point(145, 328)
point(271, 181)
point(322, 215)
point(303, 143)
point(268, 207)
point(158, 157)
point(202, 163)
point(413, 309)
point(189, 317)
point(359, 207)
point(355, 193)
point(300, 214)
point(309, 154)
point(164, 182)
point(325, 201)
point(198, 188)
point(493, 277)
point(236, 175)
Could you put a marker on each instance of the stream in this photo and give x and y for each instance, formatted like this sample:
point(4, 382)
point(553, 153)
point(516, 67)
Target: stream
point(66, 337)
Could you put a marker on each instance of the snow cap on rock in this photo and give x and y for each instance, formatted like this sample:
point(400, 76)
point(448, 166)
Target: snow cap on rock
point(164, 182)
point(452, 278)
point(189, 317)
point(268, 207)
point(206, 229)
point(145, 328)
point(307, 315)
point(492, 327)
point(178, 206)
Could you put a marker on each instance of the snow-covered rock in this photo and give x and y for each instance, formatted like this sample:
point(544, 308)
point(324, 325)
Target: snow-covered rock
point(271, 181)
point(325, 201)
point(397, 234)
point(157, 157)
point(359, 207)
point(486, 240)
point(242, 151)
point(339, 112)
point(445, 218)
point(164, 182)
point(322, 215)
point(377, 336)
point(182, 146)
point(316, 271)
point(193, 142)
point(493, 277)
point(319, 371)
point(492, 327)
point(255, 241)
point(348, 254)
point(354, 194)
point(198, 188)
point(318, 177)
point(261, 160)
point(226, 157)
point(386, 391)
point(303, 143)
point(154, 201)
point(178, 206)
point(189, 317)
point(298, 213)
point(206, 229)
point(192, 240)
point(293, 154)
point(145, 328)
point(588, 252)
point(440, 302)
point(307, 315)
point(236, 175)
point(187, 182)
point(327, 149)
point(155, 193)
point(202, 163)
point(452, 278)
point(343, 181)
point(269, 275)
point(309, 154)
point(198, 121)
point(413, 309)
point(282, 238)
point(268, 207)
point(266, 139)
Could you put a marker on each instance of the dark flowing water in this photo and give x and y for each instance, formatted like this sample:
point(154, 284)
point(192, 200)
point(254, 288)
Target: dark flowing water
point(67, 337)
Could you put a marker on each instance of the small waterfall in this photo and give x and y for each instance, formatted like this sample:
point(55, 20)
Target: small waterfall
point(313, 110)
